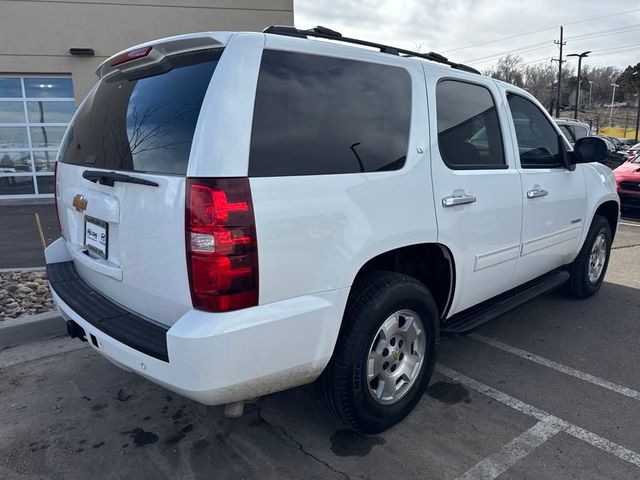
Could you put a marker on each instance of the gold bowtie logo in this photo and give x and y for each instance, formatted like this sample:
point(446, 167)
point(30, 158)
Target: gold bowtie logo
point(80, 203)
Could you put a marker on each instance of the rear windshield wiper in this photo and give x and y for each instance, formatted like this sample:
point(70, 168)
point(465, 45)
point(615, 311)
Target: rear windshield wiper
point(109, 178)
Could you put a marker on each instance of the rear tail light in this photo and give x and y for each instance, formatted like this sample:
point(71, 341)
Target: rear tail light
point(55, 193)
point(131, 55)
point(222, 250)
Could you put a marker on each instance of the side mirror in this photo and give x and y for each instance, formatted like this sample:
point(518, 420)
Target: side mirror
point(589, 149)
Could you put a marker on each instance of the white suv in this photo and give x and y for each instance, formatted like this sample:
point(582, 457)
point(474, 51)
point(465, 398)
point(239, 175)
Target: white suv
point(243, 213)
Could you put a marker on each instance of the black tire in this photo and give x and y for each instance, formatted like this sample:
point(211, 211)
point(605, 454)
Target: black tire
point(579, 285)
point(343, 386)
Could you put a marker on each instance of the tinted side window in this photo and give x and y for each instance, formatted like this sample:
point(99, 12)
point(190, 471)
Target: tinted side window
point(318, 115)
point(469, 134)
point(538, 141)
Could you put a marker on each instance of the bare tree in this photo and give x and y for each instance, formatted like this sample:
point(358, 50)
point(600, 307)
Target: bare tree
point(509, 69)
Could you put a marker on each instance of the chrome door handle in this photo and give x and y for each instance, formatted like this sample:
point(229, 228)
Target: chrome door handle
point(457, 200)
point(536, 193)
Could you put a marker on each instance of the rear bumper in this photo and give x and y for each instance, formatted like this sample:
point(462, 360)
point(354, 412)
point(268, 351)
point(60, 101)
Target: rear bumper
point(218, 358)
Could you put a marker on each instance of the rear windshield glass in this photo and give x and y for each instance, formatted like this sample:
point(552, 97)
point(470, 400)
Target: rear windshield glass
point(142, 124)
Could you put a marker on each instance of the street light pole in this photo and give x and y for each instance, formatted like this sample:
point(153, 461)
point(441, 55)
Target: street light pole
point(580, 57)
point(613, 97)
point(590, 88)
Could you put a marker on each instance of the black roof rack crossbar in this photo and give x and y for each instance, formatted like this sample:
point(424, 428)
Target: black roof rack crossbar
point(327, 33)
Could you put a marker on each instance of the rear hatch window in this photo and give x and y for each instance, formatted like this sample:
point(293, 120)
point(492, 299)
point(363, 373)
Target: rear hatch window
point(142, 121)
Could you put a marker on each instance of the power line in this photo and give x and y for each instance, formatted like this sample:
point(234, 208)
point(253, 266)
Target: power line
point(497, 40)
point(525, 49)
point(604, 33)
point(540, 60)
point(615, 50)
point(575, 38)
point(538, 31)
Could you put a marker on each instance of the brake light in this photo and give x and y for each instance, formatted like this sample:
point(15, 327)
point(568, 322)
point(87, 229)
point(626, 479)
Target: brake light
point(55, 193)
point(222, 250)
point(131, 55)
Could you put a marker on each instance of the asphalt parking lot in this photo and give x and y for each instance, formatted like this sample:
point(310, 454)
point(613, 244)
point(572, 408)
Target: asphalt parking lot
point(550, 390)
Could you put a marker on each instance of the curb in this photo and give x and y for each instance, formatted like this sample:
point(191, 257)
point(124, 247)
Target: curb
point(31, 328)
point(24, 269)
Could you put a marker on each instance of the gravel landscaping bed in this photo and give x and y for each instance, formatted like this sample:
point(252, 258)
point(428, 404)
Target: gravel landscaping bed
point(24, 293)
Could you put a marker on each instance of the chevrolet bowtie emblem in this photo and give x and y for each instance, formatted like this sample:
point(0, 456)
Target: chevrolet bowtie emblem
point(80, 203)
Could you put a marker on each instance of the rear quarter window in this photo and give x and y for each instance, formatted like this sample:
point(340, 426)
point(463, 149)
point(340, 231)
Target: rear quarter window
point(318, 115)
point(142, 123)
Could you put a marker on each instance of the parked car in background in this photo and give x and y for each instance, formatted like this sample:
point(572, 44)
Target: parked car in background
point(627, 143)
point(615, 157)
point(573, 129)
point(633, 151)
point(616, 142)
point(628, 182)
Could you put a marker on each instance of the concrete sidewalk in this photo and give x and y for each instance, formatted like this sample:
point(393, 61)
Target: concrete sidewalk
point(20, 245)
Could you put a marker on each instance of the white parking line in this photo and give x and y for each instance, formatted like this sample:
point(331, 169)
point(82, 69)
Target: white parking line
point(587, 377)
point(630, 224)
point(518, 448)
point(573, 430)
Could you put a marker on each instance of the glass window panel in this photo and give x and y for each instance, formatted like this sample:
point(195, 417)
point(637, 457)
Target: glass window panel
point(12, 112)
point(10, 87)
point(49, 112)
point(17, 185)
point(45, 184)
point(13, 137)
point(46, 137)
point(45, 161)
point(48, 87)
point(469, 134)
point(538, 141)
point(15, 162)
point(144, 124)
point(317, 115)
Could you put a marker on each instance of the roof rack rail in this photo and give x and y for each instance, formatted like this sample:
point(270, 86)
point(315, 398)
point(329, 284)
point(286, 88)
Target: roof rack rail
point(327, 33)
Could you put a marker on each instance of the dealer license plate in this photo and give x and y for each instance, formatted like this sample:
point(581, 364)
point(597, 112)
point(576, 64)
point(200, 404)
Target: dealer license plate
point(96, 236)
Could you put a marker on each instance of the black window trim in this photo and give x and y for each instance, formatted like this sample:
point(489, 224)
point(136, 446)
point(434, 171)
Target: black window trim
point(505, 165)
point(560, 136)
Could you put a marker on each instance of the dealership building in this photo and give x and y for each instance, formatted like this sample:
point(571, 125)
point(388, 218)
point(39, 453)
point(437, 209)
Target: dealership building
point(49, 50)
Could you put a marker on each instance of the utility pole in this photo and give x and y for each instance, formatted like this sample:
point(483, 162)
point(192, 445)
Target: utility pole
point(613, 97)
point(590, 88)
point(580, 57)
point(636, 83)
point(560, 62)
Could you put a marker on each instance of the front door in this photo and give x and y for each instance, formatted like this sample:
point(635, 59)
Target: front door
point(554, 197)
point(476, 186)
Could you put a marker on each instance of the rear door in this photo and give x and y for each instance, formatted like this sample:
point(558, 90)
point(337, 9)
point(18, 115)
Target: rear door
point(476, 187)
point(121, 181)
point(554, 197)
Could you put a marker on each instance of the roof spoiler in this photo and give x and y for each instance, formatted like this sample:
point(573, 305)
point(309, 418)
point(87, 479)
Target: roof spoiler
point(151, 53)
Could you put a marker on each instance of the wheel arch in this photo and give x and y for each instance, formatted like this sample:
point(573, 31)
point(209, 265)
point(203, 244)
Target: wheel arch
point(431, 263)
point(611, 211)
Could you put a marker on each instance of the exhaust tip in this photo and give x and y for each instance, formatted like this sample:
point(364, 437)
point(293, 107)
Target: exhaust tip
point(76, 331)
